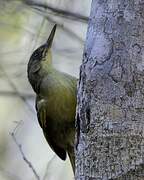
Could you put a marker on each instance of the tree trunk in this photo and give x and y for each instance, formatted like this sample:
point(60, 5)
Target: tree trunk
point(110, 111)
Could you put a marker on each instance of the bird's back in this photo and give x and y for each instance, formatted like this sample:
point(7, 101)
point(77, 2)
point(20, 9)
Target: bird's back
point(58, 98)
point(59, 91)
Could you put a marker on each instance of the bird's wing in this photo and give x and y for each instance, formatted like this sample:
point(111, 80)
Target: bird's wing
point(42, 118)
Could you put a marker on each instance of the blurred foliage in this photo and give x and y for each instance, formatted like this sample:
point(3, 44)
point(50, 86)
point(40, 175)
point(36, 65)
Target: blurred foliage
point(11, 19)
point(24, 25)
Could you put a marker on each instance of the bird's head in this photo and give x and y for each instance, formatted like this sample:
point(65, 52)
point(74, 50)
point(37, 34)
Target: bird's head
point(43, 53)
point(41, 58)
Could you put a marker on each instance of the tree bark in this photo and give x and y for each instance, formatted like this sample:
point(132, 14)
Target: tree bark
point(110, 111)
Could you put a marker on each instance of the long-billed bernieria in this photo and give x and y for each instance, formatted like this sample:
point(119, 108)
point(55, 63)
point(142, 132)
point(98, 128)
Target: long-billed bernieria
point(55, 100)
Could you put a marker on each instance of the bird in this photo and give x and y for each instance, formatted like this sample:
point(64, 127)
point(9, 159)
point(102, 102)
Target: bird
point(55, 100)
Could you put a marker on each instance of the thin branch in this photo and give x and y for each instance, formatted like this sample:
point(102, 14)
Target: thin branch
point(42, 12)
point(39, 31)
point(58, 11)
point(48, 165)
point(13, 134)
point(50, 19)
point(66, 29)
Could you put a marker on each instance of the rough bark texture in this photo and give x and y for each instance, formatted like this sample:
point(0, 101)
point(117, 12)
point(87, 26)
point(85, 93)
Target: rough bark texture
point(110, 112)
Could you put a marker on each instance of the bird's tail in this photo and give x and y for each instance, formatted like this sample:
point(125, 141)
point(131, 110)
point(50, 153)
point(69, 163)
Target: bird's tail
point(72, 159)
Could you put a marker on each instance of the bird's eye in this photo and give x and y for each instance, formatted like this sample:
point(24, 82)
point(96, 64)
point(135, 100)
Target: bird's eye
point(35, 54)
point(41, 49)
point(38, 52)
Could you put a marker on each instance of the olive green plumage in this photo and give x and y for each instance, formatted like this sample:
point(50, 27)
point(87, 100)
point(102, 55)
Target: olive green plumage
point(55, 100)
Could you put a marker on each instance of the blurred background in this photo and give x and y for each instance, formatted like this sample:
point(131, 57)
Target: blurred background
point(24, 25)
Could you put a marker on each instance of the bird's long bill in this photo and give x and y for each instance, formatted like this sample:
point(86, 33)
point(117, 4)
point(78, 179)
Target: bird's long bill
point(51, 36)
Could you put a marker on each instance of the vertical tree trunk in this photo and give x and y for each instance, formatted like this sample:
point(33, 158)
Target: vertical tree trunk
point(110, 112)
